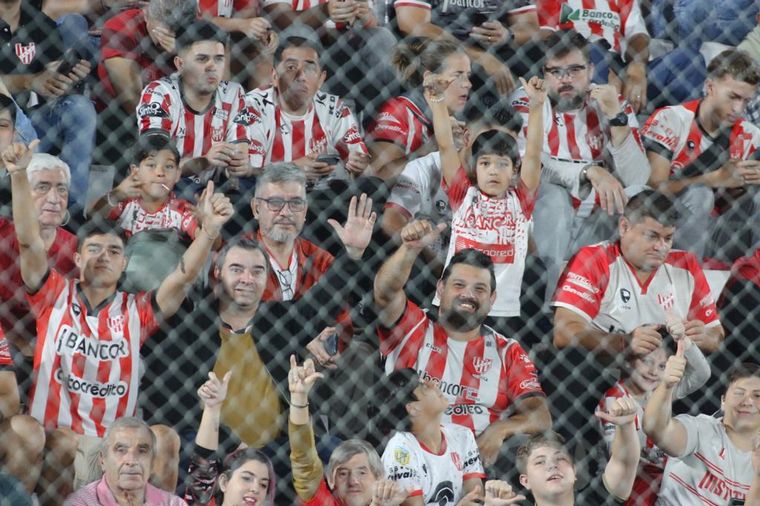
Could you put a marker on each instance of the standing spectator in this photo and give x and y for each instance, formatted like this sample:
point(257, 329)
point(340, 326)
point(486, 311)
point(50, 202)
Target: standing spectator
point(483, 374)
point(68, 395)
point(293, 121)
point(704, 153)
point(709, 459)
point(32, 67)
point(201, 113)
point(128, 451)
point(586, 128)
point(547, 469)
point(403, 127)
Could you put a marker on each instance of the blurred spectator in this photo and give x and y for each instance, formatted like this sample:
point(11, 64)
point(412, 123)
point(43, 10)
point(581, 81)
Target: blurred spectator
point(619, 51)
point(12, 492)
point(77, 413)
point(242, 477)
point(202, 114)
point(429, 459)
point(642, 374)
point(592, 156)
point(22, 438)
point(293, 121)
point(492, 215)
point(126, 457)
point(354, 473)
point(548, 471)
point(709, 459)
point(402, 128)
point(483, 374)
point(705, 154)
point(42, 79)
point(145, 200)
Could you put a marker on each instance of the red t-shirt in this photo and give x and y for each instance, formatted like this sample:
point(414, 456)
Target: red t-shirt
point(322, 497)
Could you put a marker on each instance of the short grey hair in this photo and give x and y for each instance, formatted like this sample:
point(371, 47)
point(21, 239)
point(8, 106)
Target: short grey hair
point(129, 422)
point(276, 173)
point(347, 450)
point(44, 161)
point(173, 13)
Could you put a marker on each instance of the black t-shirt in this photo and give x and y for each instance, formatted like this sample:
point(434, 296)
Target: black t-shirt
point(460, 16)
point(596, 494)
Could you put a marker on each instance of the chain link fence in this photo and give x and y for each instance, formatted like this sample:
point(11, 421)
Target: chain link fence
point(96, 125)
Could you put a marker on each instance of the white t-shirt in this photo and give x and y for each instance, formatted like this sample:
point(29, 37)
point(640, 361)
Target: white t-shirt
point(437, 478)
point(712, 471)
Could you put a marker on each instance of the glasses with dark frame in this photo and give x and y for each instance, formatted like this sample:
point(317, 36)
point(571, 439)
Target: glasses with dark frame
point(571, 71)
point(276, 204)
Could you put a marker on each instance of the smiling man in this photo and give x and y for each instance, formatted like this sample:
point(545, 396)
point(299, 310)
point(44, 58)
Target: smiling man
point(126, 457)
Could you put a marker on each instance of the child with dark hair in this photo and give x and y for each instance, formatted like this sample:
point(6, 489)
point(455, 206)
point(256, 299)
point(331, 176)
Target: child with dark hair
point(145, 200)
point(491, 212)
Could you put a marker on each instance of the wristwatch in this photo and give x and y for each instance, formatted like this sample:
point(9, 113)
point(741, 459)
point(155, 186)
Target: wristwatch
point(620, 120)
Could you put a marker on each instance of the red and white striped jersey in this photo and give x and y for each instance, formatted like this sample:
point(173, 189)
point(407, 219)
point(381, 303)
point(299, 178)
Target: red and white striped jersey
point(578, 136)
point(175, 214)
point(86, 361)
point(712, 470)
point(277, 136)
point(600, 285)
point(6, 360)
point(675, 133)
point(225, 8)
point(481, 378)
point(438, 478)
point(612, 20)
point(497, 227)
point(401, 122)
point(162, 109)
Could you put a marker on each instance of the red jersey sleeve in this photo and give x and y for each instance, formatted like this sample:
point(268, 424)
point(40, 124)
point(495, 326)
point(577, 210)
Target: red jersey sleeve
point(548, 13)
point(391, 124)
point(702, 306)
point(45, 297)
point(526, 198)
point(189, 224)
point(584, 281)
point(390, 338)
point(457, 190)
point(146, 308)
point(116, 212)
point(154, 109)
point(522, 375)
point(322, 497)
point(118, 38)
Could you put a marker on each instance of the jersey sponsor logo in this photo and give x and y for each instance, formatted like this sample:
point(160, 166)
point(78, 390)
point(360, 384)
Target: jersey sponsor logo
point(625, 295)
point(247, 117)
point(392, 128)
point(451, 389)
point(583, 295)
point(719, 487)
point(390, 118)
point(221, 114)
point(464, 409)
point(433, 348)
point(604, 18)
point(481, 365)
point(707, 300)
point(92, 388)
point(256, 148)
point(25, 52)
point(582, 282)
point(471, 461)
point(152, 110)
point(76, 309)
point(69, 340)
point(467, 4)
point(530, 384)
point(443, 495)
point(352, 136)
point(667, 139)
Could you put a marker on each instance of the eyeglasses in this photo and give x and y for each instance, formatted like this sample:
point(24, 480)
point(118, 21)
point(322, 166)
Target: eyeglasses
point(276, 204)
point(286, 284)
point(572, 71)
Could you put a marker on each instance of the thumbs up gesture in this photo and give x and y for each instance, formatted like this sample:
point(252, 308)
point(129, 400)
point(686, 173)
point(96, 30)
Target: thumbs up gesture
point(676, 365)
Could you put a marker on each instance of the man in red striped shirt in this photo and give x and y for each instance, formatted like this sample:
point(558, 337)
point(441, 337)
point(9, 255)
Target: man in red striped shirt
point(483, 374)
point(89, 334)
point(203, 114)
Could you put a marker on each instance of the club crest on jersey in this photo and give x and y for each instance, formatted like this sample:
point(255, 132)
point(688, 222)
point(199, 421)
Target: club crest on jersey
point(26, 52)
point(217, 134)
point(482, 365)
point(625, 295)
point(401, 455)
point(690, 145)
point(116, 325)
point(666, 301)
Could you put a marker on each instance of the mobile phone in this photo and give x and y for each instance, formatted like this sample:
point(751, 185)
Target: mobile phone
point(329, 159)
point(331, 344)
point(70, 58)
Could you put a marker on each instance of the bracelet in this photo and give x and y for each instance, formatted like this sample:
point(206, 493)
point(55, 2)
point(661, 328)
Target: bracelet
point(209, 235)
point(109, 201)
point(437, 101)
point(302, 406)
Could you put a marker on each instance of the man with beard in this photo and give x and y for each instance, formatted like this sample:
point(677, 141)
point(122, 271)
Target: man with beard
point(484, 375)
point(592, 154)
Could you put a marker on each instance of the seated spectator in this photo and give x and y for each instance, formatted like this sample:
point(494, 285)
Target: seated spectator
point(72, 412)
point(243, 477)
point(547, 469)
point(619, 50)
point(354, 473)
point(641, 376)
point(705, 154)
point(507, 380)
point(293, 121)
point(403, 128)
point(492, 216)
point(144, 200)
point(709, 459)
point(202, 114)
point(22, 438)
point(126, 456)
point(42, 83)
point(592, 157)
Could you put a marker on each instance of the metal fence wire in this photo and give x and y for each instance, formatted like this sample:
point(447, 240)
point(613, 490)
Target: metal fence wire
point(532, 207)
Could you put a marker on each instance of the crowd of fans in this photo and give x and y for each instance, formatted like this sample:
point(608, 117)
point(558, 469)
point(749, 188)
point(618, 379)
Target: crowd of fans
point(357, 254)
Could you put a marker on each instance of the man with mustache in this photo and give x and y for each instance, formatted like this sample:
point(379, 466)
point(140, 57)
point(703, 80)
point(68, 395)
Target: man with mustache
point(482, 373)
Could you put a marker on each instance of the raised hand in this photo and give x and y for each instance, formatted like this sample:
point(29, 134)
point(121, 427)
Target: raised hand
point(356, 233)
point(675, 366)
point(500, 493)
point(302, 378)
point(622, 411)
point(16, 157)
point(419, 234)
point(213, 210)
point(318, 350)
point(213, 392)
point(607, 97)
point(696, 331)
point(675, 325)
point(534, 88)
point(645, 339)
point(129, 188)
point(434, 88)
point(388, 493)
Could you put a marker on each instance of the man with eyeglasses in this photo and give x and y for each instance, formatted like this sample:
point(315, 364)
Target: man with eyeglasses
point(592, 154)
